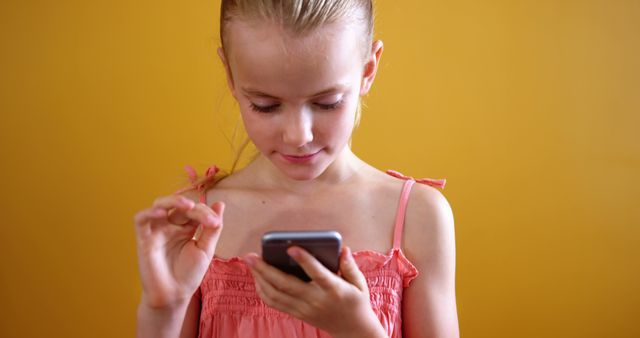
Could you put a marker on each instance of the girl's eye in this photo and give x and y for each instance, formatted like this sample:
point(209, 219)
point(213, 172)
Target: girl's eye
point(272, 108)
point(329, 106)
point(264, 109)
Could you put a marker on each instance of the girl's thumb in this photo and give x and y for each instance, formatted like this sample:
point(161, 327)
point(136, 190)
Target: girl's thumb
point(210, 234)
point(350, 271)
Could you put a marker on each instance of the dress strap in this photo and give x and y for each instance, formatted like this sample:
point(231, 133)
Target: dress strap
point(404, 200)
point(199, 184)
point(400, 213)
point(428, 181)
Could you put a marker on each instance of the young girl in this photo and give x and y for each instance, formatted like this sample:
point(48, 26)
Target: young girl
point(297, 69)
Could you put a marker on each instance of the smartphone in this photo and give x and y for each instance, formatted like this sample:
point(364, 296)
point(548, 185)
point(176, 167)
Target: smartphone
point(323, 245)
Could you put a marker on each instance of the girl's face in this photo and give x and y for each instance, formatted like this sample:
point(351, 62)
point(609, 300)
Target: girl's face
point(298, 95)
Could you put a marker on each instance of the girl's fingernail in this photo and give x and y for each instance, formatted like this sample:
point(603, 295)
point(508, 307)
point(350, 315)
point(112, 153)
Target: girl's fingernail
point(250, 260)
point(293, 252)
point(347, 253)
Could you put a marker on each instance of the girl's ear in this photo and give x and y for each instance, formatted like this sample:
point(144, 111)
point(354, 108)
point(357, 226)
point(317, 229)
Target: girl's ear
point(371, 67)
point(227, 71)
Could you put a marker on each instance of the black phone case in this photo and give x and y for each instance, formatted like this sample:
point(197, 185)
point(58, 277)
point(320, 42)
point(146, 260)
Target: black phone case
point(323, 245)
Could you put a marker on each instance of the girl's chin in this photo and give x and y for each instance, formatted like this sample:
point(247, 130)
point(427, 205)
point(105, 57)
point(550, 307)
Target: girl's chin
point(300, 171)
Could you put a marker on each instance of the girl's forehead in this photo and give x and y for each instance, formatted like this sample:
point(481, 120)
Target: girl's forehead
point(254, 33)
point(267, 58)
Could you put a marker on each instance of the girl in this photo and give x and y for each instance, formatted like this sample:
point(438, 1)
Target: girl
point(297, 69)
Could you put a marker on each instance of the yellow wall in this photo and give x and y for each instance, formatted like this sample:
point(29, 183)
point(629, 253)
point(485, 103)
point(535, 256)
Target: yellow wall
point(529, 108)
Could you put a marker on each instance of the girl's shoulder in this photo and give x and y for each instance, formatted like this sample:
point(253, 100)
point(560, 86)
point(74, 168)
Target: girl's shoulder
point(427, 215)
point(427, 229)
point(429, 225)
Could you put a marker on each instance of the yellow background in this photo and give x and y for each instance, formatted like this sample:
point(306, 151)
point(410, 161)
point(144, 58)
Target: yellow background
point(529, 108)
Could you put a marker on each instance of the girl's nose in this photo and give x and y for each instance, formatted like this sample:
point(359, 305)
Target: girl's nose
point(298, 129)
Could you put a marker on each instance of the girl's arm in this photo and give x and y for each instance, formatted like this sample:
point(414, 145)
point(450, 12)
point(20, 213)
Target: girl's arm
point(429, 303)
point(180, 321)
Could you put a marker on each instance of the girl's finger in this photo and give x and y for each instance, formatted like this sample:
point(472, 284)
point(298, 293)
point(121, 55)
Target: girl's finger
point(173, 202)
point(147, 215)
point(282, 281)
point(202, 214)
point(314, 269)
point(276, 298)
point(144, 218)
point(199, 213)
point(350, 271)
point(210, 233)
point(178, 217)
point(175, 207)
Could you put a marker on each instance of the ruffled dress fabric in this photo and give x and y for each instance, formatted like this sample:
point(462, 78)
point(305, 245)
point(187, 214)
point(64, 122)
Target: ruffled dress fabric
point(231, 308)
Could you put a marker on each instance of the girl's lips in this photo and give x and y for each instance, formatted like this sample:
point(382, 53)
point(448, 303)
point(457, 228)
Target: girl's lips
point(301, 158)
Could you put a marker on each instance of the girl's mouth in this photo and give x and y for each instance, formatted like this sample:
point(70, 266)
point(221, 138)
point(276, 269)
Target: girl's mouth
point(298, 159)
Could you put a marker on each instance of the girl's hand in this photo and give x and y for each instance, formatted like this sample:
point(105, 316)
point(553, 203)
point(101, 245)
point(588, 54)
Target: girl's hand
point(339, 306)
point(172, 262)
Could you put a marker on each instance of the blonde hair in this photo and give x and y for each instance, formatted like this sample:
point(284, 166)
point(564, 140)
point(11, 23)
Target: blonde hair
point(297, 17)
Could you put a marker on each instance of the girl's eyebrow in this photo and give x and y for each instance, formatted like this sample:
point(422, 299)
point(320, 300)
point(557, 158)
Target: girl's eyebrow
point(331, 90)
point(253, 92)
